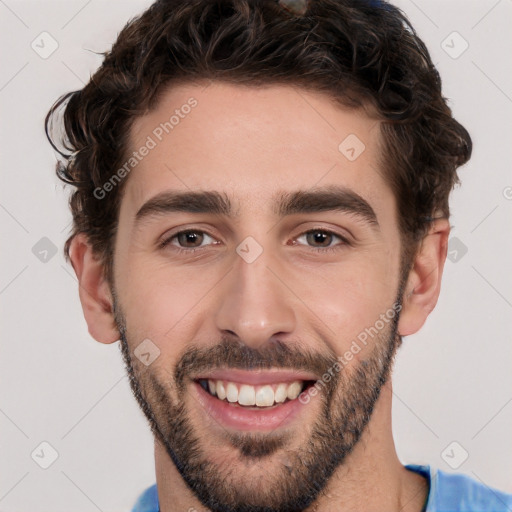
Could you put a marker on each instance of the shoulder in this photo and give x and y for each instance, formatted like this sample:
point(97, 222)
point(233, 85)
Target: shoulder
point(147, 501)
point(456, 492)
point(460, 492)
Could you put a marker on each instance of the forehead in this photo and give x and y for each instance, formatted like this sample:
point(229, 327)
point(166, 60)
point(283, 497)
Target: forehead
point(252, 142)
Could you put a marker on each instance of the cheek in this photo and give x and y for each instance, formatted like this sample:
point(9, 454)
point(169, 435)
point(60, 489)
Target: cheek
point(163, 303)
point(347, 299)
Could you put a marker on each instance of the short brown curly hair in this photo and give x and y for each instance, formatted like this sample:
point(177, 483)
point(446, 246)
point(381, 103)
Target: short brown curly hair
point(362, 53)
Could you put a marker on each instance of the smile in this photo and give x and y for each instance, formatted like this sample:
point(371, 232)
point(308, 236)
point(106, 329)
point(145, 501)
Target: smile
point(247, 395)
point(261, 401)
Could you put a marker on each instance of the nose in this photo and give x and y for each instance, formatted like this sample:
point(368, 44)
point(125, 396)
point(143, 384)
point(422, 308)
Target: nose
point(255, 304)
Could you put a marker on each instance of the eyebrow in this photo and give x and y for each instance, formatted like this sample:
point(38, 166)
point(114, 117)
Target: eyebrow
point(316, 200)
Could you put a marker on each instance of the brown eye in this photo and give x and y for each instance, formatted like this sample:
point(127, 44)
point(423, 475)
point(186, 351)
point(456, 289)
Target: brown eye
point(190, 238)
point(319, 238)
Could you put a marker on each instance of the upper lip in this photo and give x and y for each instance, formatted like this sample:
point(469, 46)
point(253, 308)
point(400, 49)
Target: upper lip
point(258, 377)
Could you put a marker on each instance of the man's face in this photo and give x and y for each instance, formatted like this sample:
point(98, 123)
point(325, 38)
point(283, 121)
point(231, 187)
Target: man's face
point(266, 289)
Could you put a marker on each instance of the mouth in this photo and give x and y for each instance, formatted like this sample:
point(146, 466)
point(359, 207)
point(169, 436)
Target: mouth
point(257, 397)
point(253, 400)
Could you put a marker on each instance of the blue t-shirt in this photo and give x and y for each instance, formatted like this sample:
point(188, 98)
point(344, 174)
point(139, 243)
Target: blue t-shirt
point(449, 492)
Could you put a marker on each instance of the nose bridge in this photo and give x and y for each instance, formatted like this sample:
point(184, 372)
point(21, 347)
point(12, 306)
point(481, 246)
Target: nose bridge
point(255, 305)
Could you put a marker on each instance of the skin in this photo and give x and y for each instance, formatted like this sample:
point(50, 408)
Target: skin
point(250, 143)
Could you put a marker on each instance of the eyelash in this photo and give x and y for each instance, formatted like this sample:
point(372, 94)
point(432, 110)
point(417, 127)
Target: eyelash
point(191, 250)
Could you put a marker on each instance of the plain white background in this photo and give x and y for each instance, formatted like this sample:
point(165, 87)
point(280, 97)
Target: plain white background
point(452, 381)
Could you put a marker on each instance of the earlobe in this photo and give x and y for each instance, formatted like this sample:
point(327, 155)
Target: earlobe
point(94, 291)
point(424, 280)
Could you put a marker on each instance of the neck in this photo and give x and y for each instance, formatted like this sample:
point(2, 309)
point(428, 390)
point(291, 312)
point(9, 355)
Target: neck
point(371, 477)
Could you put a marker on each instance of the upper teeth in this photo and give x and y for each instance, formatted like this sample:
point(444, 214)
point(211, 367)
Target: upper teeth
point(262, 396)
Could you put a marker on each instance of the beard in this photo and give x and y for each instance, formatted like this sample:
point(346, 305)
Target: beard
point(298, 476)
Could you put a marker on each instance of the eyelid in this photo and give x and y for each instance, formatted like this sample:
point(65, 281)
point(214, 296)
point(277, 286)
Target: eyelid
point(190, 231)
point(344, 240)
point(167, 239)
point(335, 249)
point(343, 233)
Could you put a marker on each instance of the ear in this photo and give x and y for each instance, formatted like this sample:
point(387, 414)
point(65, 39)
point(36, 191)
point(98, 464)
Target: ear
point(424, 280)
point(94, 291)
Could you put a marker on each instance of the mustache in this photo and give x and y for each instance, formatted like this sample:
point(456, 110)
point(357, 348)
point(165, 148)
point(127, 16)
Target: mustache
point(235, 354)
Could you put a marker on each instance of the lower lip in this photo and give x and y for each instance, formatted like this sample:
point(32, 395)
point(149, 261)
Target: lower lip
point(238, 417)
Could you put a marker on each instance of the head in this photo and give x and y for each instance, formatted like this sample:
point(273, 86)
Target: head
point(306, 154)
